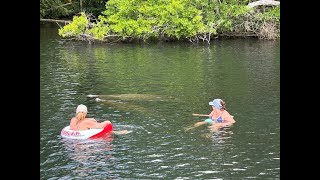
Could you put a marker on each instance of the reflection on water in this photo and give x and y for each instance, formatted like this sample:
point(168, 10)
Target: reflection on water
point(152, 90)
point(83, 151)
point(88, 156)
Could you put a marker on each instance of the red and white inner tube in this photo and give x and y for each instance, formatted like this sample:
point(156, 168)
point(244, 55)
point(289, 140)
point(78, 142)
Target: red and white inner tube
point(66, 132)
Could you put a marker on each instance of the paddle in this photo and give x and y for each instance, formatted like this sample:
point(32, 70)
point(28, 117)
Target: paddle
point(205, 115)
point(200, 115)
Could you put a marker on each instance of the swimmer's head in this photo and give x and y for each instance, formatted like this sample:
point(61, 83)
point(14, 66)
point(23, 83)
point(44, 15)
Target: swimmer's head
point(216, 103)
point(81, 108)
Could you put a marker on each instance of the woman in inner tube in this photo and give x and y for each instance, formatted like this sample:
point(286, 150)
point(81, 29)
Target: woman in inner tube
point(80, 122)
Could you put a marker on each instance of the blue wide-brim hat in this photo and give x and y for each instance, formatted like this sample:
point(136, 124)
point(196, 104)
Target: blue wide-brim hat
point(216, 103)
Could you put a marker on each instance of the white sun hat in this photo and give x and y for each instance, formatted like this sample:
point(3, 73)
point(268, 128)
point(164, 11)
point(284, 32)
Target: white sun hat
point(81, 108)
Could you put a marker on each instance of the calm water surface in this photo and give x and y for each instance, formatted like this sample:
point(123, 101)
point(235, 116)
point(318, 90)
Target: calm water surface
point(158, 87)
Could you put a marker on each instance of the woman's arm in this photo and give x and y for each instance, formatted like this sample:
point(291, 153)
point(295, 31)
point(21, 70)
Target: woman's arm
point(89, 124)
point(103, 124)
point(228, 118)
point(91, 119)
point(73, 124)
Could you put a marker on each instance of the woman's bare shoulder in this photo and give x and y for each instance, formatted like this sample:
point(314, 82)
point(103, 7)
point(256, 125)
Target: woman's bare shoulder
point(91, 119)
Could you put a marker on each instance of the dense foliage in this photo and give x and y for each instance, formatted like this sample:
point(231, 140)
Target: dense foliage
point(170, 20)
point(57, 8)
point(67, 8)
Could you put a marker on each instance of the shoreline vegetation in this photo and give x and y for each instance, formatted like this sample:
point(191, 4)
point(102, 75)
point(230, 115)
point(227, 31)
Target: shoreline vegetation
point(172, 20)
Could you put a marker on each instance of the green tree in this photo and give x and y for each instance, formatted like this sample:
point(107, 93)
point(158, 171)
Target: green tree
point(170, 20)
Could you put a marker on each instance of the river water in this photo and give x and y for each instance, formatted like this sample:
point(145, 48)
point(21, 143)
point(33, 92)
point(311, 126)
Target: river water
point(152, 90)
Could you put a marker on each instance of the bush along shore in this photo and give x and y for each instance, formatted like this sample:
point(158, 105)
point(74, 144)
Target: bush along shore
point(176, 20)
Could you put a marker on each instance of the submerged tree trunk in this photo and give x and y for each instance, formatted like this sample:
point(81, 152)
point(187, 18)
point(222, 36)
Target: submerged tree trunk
point(264, 2)
point(55, 20)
